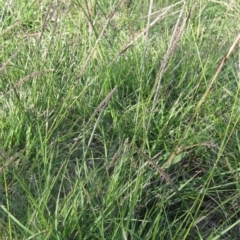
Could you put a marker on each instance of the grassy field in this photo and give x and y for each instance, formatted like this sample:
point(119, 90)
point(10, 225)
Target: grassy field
point(119, 120)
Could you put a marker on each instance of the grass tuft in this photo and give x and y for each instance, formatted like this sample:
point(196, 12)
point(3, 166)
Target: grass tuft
point(119, 120)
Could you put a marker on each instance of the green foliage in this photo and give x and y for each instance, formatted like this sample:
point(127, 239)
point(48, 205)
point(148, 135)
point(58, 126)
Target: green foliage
point(105, 132)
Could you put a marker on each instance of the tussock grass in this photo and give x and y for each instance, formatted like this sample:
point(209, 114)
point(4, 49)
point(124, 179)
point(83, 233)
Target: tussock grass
point(119, 120)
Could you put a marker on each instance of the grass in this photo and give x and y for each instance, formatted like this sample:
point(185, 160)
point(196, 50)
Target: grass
point(119, 120)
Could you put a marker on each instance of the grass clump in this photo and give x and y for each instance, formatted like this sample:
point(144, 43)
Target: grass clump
point(119, 120)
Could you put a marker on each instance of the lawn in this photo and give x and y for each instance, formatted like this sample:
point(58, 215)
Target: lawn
point(119, 119)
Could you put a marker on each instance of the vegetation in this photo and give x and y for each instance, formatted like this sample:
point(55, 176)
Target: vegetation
point(119, 119)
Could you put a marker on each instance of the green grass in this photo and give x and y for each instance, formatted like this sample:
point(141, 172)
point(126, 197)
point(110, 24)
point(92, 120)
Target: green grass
point(115, 121)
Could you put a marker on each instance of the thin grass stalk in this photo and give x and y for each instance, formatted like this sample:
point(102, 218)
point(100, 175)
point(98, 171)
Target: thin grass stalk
point(177, 33)
point(146, 35)
point(27, 78)
point(8, 160)
point(10, 28)
point(9, 6)
point(83, 68)
point(14, 219)
point(239, 64)
point(117, 154)
point(160, 170)
point(219, 236)
point(137, 36)
point(46, 21)
point(88, 15)
point(100, 109)
point(4, 65)
point(8, 205)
